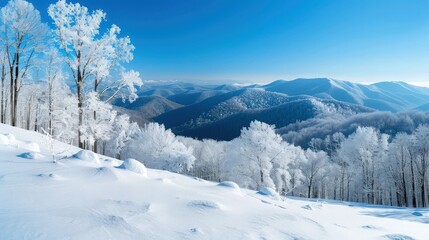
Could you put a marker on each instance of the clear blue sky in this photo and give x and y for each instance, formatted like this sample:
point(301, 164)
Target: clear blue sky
point(261, 41)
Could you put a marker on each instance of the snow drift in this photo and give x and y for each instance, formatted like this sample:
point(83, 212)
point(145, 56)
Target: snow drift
point(134, 166)
point(87, 156)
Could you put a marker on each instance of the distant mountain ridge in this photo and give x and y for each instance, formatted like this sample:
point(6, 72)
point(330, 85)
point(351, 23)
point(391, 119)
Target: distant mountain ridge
point(220, 111)
point(145, 108)
point(385, 96)
point(222, 117)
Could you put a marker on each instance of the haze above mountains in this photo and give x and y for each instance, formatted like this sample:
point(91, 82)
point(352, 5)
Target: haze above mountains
point(220, 111)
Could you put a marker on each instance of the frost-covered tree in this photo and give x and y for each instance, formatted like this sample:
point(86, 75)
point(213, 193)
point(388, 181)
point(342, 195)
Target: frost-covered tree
point(65, 114)
point(295, 173)
point(313, 168)
point(54, 79)
point(24, 38)
point(92, 55)
point(399, 165)
point(95, 129)
point(282, 174)
point(421, 148)
point(333, 142)
point(250, 157)
point(31, 108)
point(209, 158)
point(316, 144)
point(50, 105)
point(159, 148)
point(123, 131)
point(364, 150)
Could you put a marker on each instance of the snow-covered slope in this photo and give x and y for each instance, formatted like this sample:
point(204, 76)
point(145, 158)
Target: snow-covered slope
point(94, 197)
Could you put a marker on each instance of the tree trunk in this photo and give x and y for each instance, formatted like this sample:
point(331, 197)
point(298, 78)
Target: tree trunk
point(348, 188)
point(404, 188)
point(15, 91)
point(413, 185)
point(80, 105)
point(423, 189)
point(29, 113)
point(51, 105)
point(3, 79)
point(309, 188)
point(95, 147)
point(335, 189)
point(36, 122)
point(422, 193)
point(11, 93)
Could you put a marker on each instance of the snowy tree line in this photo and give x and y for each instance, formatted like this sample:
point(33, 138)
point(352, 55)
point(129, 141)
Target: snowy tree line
point(366, 166)
point(60, 77)
point(301, 132)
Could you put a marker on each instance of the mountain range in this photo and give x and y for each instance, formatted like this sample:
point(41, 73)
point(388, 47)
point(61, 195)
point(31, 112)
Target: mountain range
point(221, 111)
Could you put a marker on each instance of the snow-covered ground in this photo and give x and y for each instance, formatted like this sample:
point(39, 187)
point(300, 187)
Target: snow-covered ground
point(81, 197)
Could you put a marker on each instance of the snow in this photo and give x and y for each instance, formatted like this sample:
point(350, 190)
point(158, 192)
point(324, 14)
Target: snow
point(397, 237)
point(269, 192)
point(31, 146)
point(88, 156)
point(134, 166)
point(11, 138)
point(76, 200)
point(4, 140)
point(202, 205)
point(229, 184)
point(30, 155)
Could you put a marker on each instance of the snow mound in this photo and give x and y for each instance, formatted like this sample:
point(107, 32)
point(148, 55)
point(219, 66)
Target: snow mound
point(202, 204)
point(87, 156)
point(31, 146)
point(269, 192)
point(4, 140)
point(134, 166)
point(229, 184)
point(30, 155)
